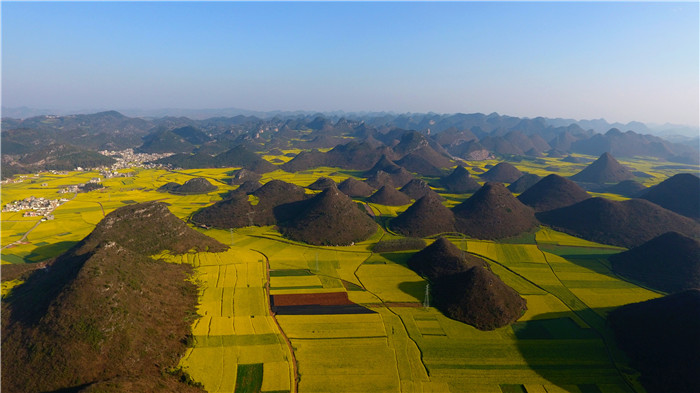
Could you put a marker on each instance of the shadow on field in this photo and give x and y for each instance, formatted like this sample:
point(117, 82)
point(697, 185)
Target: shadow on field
point(414, 288)
point(571, 357)
point(400, 258)
point(43, 253)
point(595, 262)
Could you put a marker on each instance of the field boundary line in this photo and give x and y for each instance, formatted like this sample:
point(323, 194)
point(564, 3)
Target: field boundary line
point(605, 337)
point(24, 237)
point(195, 176)
point(295, 372)
point(408, 334)
point(327, 248)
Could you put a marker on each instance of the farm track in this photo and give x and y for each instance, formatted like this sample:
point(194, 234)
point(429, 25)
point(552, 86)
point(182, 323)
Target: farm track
point(578, 307)
point(598, 323)
point(24, 237)
point(574, 303)
point(581, 309)
point(295, 370)
point(388, 308)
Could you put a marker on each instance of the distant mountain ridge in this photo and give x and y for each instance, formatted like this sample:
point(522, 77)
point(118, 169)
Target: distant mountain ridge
point(426, 144)
point(598, 125)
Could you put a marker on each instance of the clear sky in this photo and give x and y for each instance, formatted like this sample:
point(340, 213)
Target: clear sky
point(584, 60)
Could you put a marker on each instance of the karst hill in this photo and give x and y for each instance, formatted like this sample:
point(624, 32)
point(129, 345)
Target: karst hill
point(502, 172)
point(329, 218)
point(264, 207)
point(464, 288)
point(427, 216)
point(355, 188)
point(459, 181)
point(389, 196)
point(198, 185)
point(626, 224)
point(553, 192)
point(104, 313)
point(493, 213)
point(443, 258)
point(606, 169)
point(669, 262)
point(679, 193)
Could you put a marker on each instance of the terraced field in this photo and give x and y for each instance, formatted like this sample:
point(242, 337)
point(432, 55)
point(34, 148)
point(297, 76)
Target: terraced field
point(281, 316)
point(237, 343)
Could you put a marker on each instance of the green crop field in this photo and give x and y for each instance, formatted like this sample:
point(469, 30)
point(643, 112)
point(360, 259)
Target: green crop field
point(391, 341)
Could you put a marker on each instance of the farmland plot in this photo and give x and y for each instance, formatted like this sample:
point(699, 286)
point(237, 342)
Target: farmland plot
point(235, 333)
point(378, 336)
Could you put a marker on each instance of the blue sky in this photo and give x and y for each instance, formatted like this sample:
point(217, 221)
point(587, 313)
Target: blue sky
point(619, 61)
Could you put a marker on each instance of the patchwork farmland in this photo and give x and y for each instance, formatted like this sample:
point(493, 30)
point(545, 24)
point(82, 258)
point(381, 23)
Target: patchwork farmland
point(276, 315)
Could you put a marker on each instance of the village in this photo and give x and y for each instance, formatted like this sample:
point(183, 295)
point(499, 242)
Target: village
point(35, 207)
point(128, 159)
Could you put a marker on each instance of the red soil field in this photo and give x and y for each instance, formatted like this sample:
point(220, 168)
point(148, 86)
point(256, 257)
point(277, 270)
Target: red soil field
point(319, 299)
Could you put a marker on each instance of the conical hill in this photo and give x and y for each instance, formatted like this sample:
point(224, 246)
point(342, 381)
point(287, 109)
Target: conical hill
point(626, 224)
point(239, 156)
point(243, 175)
point(355, 188)
point(628, 188)
point(425, 161)
point(553, 192)
point(104, 310)
point(248, 187)
point(237, 211)
point(383, 164)
point(479, 298)
point(523, 183)
point(329, 218)
point(459, 181)
point(679, 193)
point(379, 180)
point(399, 175)
point(389, 196)
point(271, 196)
point(321, 184)
point(417, 189)
point(442, 258)
point(493, 213)
point(198, 185)
point(503, 173)
point(233, 212)
point(427, 216)
point(606, 169)
point(670, 263)
point(148, 228)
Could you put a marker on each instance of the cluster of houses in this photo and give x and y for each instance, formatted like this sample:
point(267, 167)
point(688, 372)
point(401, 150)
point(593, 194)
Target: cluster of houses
point(127, 159)
point(34, 207)
point(108, 174)
point(70, 189)
point(19, 178)
point(73, 188)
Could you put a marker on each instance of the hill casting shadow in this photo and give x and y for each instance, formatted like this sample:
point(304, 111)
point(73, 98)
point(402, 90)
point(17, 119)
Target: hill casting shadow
point(536, 340)
point(42, 253)
point(414, 288)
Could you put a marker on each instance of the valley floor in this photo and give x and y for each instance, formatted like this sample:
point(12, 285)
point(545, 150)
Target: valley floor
point(280, 316)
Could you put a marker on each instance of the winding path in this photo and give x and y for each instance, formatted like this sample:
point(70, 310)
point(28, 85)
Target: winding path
point(295, 371)
point(24, 237)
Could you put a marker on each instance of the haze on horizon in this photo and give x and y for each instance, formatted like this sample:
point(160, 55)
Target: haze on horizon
point(619, 61)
